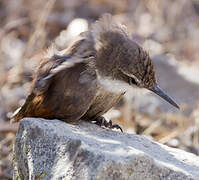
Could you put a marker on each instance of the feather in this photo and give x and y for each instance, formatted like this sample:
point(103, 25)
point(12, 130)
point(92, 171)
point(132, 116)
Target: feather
point(104, 25)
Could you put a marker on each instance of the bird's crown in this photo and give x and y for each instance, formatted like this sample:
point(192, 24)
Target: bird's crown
point(117, 52)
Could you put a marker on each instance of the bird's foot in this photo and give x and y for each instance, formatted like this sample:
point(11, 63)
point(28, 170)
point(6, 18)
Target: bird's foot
point(101, 121)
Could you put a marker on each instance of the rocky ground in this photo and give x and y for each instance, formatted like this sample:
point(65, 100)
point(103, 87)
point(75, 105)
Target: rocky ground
point(46, 149)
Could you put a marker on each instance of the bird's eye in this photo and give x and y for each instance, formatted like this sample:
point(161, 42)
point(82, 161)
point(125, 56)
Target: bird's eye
point(132, 81)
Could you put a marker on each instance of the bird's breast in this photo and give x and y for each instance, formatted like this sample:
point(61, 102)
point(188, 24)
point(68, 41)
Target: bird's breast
point(104, 101)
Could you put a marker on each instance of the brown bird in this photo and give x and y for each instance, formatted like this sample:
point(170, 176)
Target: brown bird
point(88, 78)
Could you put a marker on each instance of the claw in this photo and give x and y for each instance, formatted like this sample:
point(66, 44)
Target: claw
point(101, 121)
point(117, 127)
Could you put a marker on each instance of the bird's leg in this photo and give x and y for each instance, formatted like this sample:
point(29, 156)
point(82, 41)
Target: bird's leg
point(101, 121)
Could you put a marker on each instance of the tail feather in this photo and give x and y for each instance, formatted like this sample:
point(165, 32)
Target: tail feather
point(21, 112)
point(15, 117)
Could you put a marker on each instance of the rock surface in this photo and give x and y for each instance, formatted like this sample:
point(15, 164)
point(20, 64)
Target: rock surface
point(51, 149)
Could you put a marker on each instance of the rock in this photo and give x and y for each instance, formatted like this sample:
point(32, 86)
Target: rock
point(52, 149)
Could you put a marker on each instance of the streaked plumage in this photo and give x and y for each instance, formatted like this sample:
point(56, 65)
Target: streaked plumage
point(87, 79)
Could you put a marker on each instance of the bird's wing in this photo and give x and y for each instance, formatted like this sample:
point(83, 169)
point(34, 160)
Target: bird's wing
point(49, 68)
point(80, 52)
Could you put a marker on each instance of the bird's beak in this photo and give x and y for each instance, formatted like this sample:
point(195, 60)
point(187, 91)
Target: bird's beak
point(157, 90)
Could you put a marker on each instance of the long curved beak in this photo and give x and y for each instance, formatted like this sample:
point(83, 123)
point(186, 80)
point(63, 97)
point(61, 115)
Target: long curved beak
point(157, 90)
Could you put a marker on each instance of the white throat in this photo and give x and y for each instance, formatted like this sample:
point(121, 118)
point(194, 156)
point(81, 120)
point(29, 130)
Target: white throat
point(112, 85)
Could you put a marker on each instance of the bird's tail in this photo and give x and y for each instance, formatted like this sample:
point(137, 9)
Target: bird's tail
point(21, 112)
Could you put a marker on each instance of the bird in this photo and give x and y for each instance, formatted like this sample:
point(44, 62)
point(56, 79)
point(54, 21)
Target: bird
point(85, 80)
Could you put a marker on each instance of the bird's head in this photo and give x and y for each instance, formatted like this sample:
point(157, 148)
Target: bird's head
point(121, 61)
point(138, 71)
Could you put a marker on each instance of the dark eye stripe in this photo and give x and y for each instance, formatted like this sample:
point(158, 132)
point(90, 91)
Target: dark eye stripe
point(132, 81)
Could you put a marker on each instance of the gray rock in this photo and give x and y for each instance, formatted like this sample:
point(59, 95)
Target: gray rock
point(52, 149)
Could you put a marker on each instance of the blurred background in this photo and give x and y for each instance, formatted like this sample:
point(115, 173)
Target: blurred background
point(168, 30)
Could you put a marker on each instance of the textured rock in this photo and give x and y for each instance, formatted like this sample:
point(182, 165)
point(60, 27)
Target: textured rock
point(51, 149)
